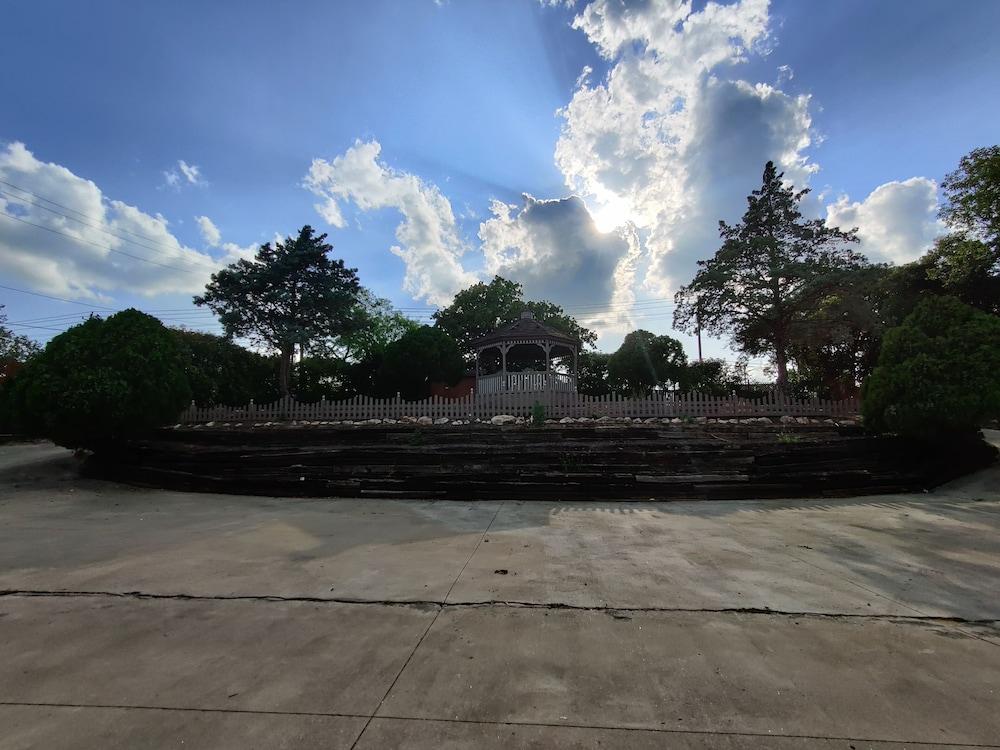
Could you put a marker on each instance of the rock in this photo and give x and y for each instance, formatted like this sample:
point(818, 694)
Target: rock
point(519, 420)
point(502, 419)
point(603, 420)
point(676, 420)
point(442, 420)
point(551, 421)
point(389, 421)
point(649, 420)
point(585, 420)
point(425, 420)
point(408, 420)
point(802, 420)
point(372, 421)
point(786, 419)
point(829, 421)
point(567, 420)
point(210, 424)
point(701, 420)
point(176, 427)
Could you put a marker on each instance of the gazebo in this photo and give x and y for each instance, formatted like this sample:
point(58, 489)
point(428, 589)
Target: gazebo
point(522, 336)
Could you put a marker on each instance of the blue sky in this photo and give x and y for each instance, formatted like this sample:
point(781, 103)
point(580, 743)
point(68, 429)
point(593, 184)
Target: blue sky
point(420, 125)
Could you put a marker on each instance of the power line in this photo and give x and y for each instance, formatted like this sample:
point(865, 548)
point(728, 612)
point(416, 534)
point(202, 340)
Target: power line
point(97, 245)
point(49, 296)
point(73, 210)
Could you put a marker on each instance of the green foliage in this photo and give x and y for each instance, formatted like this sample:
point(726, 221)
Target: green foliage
point(221, 372)
point(319, 377)
point(592, 376)
point(972, 197)
point(537, 414)
point(423, 356)
point(645, 361)
point(482, 308)
point(103, 380)
point(15, 350)
point(376, 325)
point(771, 267)
point(712, 377)
point(290, 294)
point(938, 373)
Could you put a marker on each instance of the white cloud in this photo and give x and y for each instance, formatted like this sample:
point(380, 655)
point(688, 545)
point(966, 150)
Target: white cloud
point(429, 242)
point(183, 173)
point(667, 140)
point(897, 222)
point(209, 232)
point(554, 249)
point(82, 247)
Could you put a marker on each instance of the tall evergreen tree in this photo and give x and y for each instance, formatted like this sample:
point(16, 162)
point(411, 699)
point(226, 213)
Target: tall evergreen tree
point(772, 267)
point(290, 294)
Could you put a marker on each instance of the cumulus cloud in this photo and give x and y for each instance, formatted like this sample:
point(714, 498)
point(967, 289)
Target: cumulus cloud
point(209, 232)
point(897, 222)
point(430, 245)
point(87, 245)
point(667, 140)
point(183, 173)
point(554, 249)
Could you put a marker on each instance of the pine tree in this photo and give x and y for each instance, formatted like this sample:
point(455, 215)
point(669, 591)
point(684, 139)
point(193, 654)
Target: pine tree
point(772, 267)
point(291, 293)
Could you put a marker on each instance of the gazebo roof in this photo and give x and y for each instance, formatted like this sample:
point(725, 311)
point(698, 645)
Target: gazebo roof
point(526, 330)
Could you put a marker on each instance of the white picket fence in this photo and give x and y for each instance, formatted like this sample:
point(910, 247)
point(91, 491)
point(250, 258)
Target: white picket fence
point(557, 405)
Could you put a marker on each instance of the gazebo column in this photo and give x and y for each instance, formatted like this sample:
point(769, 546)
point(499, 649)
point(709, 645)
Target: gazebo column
point(576, 367)
point(548, 366)
point(503, 358)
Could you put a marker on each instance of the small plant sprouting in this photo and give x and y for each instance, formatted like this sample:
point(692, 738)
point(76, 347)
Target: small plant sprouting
point(537, 414)
point(787, 437)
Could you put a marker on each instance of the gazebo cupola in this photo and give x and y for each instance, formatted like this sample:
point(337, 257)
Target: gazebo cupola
point(532, 358)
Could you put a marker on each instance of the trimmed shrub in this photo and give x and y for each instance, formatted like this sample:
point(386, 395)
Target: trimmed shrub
point(938, 373)
point(221, 372)
point(103, 380)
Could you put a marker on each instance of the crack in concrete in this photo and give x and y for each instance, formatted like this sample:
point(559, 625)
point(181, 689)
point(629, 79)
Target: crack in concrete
point(486, 722)
point(436, 604)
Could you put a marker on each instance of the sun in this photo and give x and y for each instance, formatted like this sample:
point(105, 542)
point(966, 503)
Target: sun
point(610, 214)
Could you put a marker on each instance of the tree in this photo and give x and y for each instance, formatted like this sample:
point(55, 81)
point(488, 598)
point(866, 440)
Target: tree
point(938, 373)
point(834, 343)
point(483, 308)
point(420, 357)
point(592, 374)
point(289, 295)
point(102, 381)
point(712, 377)
point(15, 350)
point(646, 361)
point(222, 372)
point(771, 267)
point(377, 324)
point(972, 197)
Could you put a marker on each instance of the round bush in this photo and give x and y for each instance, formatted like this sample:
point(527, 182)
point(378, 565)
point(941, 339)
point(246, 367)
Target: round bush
point(938, 373)
point(102, 381)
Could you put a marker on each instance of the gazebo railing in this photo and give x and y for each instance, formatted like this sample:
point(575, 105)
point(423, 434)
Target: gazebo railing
point(525, 382)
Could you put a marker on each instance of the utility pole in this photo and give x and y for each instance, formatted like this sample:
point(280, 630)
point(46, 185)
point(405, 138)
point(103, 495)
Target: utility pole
point(697, 323)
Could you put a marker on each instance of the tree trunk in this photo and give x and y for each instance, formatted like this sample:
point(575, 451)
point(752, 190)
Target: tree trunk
point(285, 370)
point(781, 362)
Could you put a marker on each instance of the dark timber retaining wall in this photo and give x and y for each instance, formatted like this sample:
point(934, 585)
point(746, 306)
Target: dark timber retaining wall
point(575, 462)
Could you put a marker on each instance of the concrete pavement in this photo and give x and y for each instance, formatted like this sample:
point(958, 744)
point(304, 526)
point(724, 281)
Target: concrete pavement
point(145, 618)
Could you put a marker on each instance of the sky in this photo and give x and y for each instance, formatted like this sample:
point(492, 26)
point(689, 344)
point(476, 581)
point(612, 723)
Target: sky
point(587, 150)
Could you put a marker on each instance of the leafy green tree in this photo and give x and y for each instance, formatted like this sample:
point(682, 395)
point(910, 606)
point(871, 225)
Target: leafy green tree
point(377, 324)
point(938, 373)
point(592, 376)
point(14, 349)
point(222, 372)
point(483, 308)
point(421, 357)
point(771, 267)
point(712, 377)
point(102, 381)
point(646, 361)
point(972, 197)
point(290, 294)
